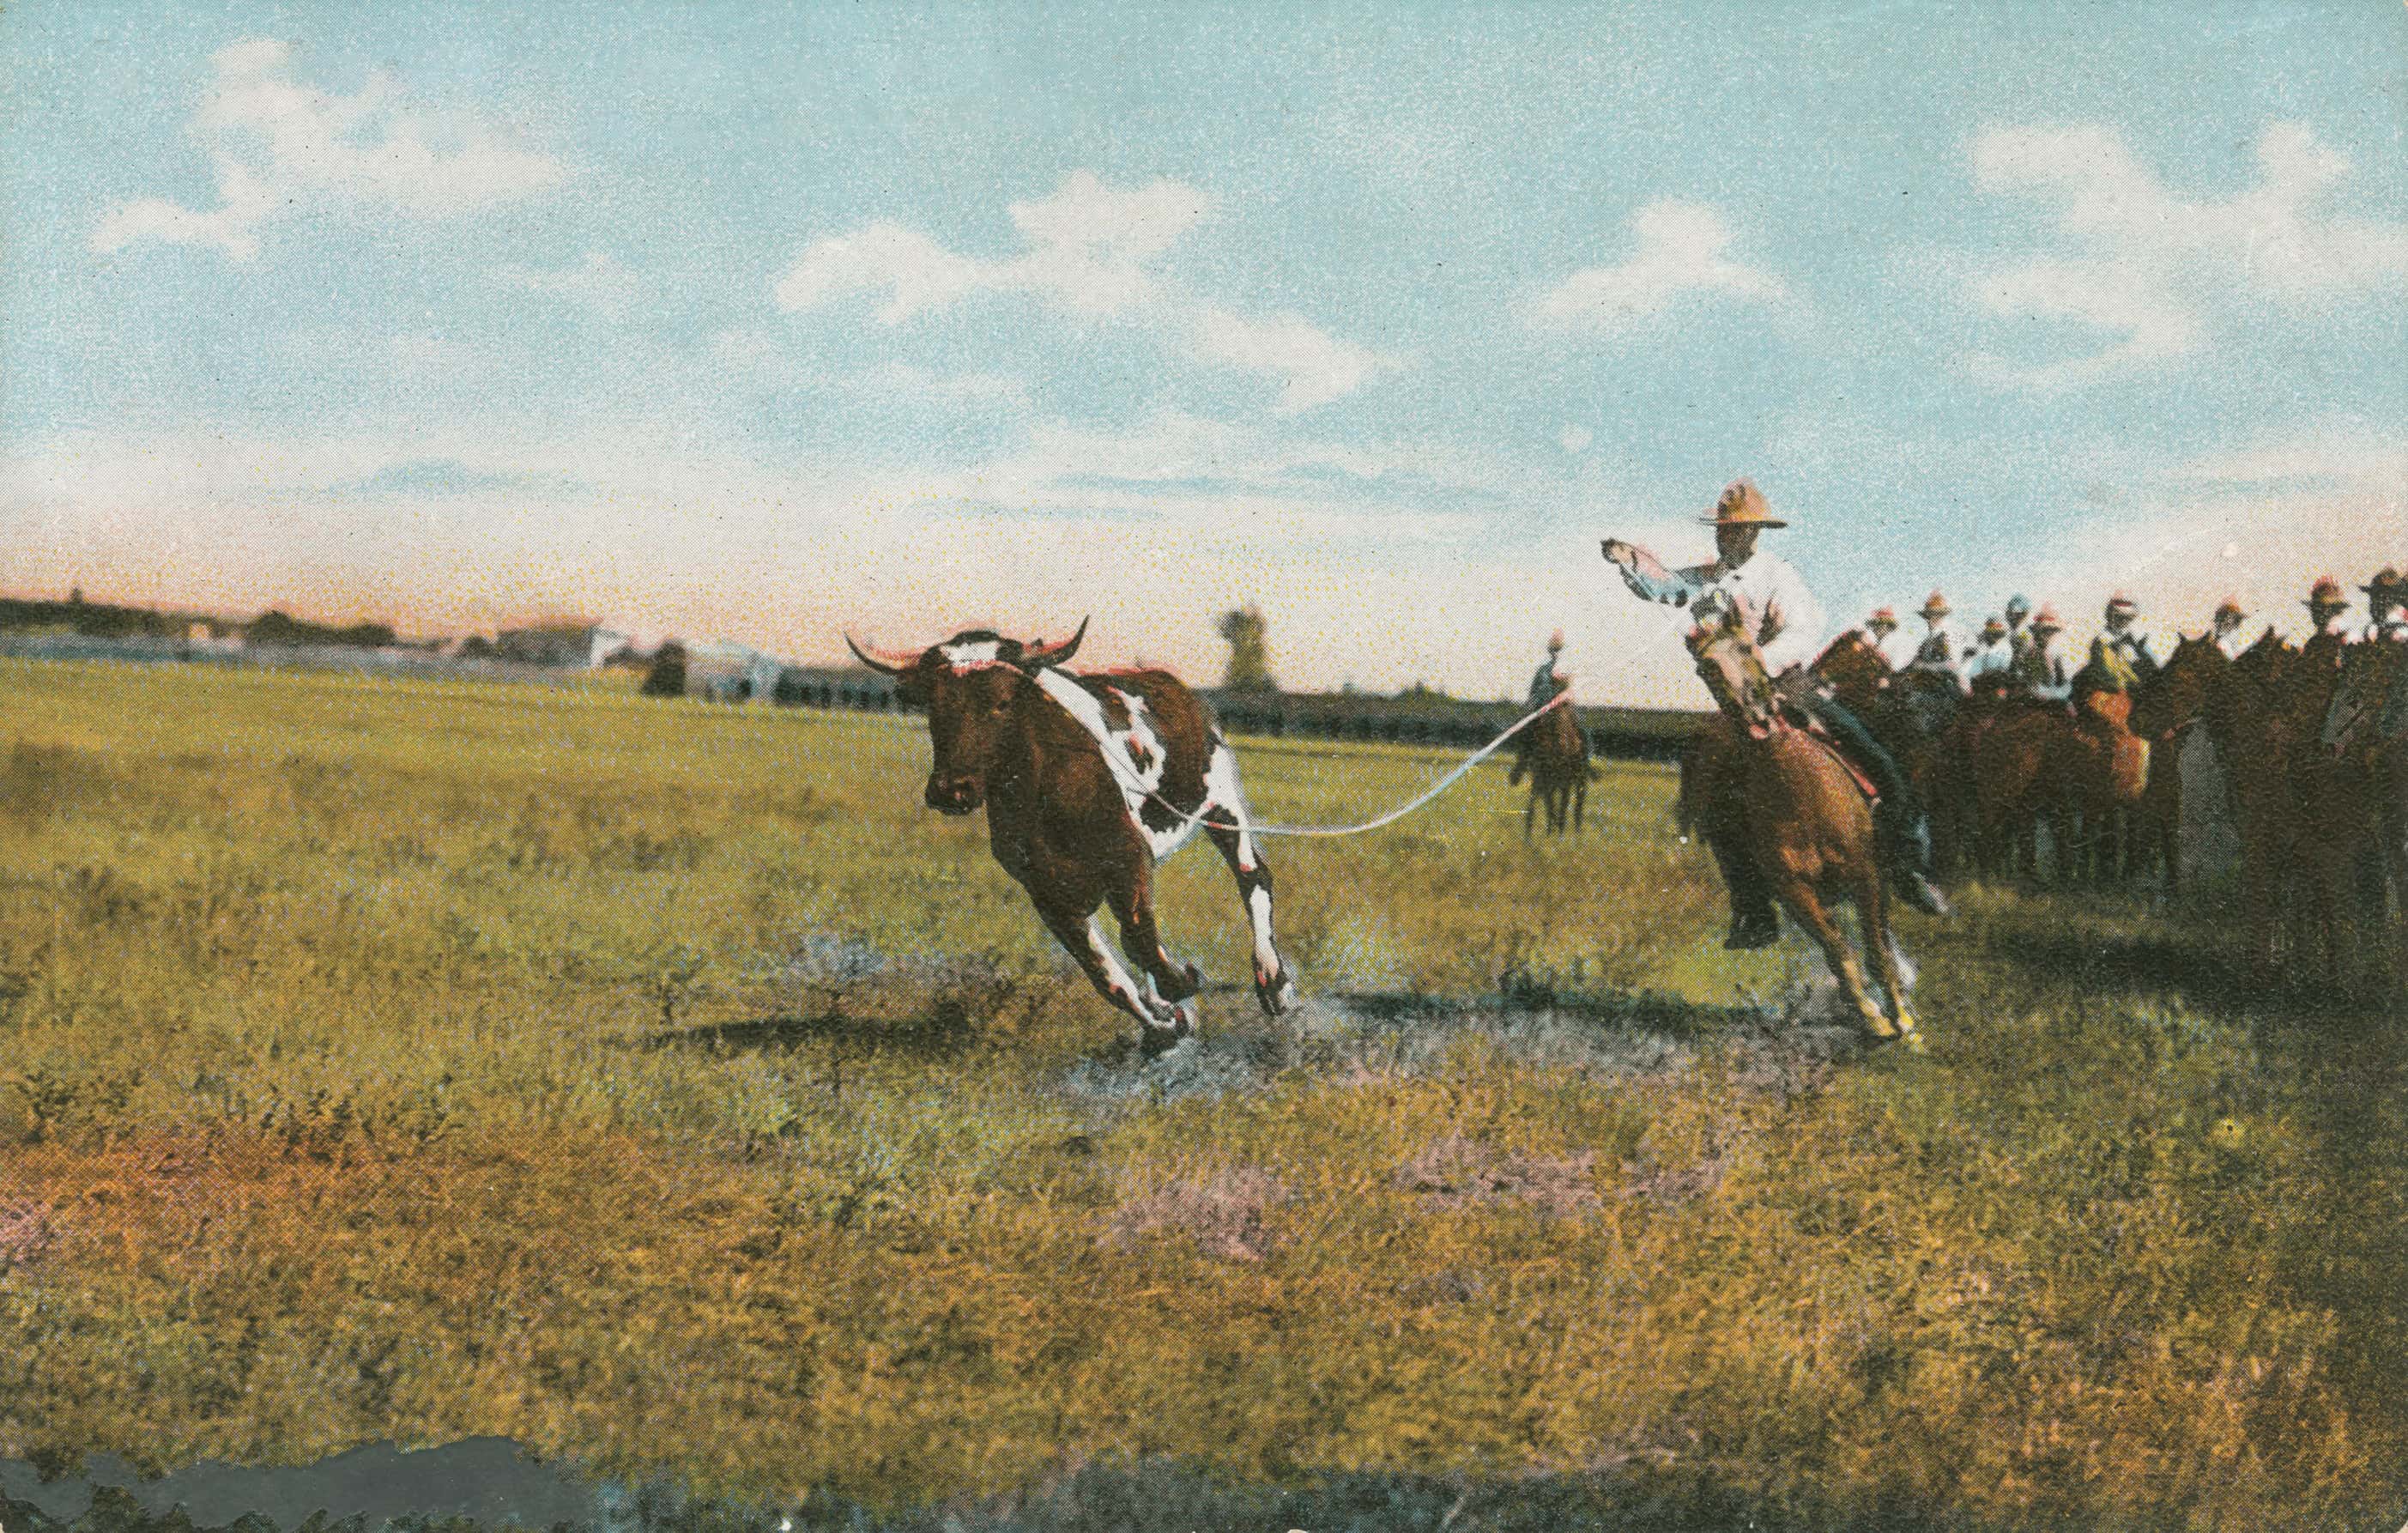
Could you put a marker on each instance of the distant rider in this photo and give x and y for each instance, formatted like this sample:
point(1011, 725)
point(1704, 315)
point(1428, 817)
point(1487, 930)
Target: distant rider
point(2229, 616)
point(2042, 673)
point(2386, 607)
point(1937, 653)
point(1788, 623)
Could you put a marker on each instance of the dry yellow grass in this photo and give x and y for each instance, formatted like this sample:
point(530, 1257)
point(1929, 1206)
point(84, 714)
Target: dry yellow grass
point(655, 1083)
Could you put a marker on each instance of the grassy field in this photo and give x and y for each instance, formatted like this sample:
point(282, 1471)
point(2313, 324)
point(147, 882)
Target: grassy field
point(658, 1085)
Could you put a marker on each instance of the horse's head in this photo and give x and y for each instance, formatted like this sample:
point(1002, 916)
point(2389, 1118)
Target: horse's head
point(2177, 694)
point(1731, 668)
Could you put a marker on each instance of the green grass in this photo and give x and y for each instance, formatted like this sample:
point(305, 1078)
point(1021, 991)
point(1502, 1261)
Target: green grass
point(658, 1085)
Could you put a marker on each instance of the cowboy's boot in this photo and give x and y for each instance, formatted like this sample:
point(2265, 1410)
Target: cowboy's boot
point(1905, 841)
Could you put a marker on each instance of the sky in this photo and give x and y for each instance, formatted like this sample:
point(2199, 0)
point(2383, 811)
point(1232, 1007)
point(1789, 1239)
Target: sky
point(765, 323)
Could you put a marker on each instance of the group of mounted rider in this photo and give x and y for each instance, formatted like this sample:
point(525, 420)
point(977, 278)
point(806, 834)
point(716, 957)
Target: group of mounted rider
point(1964, 748)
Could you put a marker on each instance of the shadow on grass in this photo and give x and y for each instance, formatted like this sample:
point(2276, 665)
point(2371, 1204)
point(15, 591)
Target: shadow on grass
point(2130, 963)
point(941, 1031)
point(437, 1489)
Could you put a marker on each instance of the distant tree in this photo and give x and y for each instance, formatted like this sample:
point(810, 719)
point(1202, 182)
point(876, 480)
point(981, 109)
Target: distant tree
point(75, 595)
point(1250, 669)
point(666, 678)
point(475, 647)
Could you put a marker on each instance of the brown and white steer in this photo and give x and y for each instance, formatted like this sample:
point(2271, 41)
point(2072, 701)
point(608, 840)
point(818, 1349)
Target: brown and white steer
point(1087, 782)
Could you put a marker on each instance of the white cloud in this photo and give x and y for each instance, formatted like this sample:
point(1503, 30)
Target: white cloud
point(2151, 271)
point(1088, 250)
point(1314, 366)
point(277, 143)
point(599, 281)
point(1680, 246)
point(1576, 438)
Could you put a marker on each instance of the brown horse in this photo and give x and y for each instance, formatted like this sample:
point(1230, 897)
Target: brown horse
point(2164, 713)
point(2032, 763)
point(1855, 670)
point(2242, 713)
point(2351, 814)
point(1775, 801)
point(1556, 759)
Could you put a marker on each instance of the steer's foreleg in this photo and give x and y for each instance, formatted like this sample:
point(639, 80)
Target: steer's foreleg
point(1131, 897)
point(1226, 822)
point(1160, 1024)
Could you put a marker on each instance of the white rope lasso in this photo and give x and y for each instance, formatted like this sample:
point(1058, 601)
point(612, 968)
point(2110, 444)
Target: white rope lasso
point(1188, 819)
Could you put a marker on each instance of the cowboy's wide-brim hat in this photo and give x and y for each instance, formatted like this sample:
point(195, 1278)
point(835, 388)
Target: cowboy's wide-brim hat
point(2326, 593)
point(2385, 578)
point(1742, 505)
point(1937, 607)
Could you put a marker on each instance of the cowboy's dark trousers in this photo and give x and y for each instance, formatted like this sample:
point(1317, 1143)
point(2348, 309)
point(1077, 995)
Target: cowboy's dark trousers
point(1898, 817)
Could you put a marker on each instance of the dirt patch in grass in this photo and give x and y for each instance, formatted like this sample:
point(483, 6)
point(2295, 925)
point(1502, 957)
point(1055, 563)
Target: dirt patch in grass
point(1223, 1213)
point(1458, 1173)
point(25, 1233)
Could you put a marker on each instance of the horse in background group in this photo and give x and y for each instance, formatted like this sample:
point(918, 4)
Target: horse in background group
point(2371, 774)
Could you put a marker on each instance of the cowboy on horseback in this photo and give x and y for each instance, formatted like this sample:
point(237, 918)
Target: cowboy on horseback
point(1993, 657)
point(1937, 653)
point(2041, 672)
point(2019, 638)
point(1877, 629)
point(1787, 624)
point(2387, 608)
point(2326, 604)
point(1548, 682)
point(2122, 649)
point(2229, 616)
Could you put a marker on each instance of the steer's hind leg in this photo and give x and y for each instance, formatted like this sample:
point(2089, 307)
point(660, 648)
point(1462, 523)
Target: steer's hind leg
point(1226, 822)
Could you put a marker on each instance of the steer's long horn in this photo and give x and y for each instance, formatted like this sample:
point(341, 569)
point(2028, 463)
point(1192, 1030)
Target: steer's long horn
point(1054, 654)
point(888, 667)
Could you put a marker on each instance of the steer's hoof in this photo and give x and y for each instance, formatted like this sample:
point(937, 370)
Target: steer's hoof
point(1278, 997)
point(1153, 1042)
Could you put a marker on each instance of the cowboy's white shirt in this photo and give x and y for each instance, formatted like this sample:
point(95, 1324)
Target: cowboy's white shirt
point(1788, 620)
point(2231, 644)
point(1991, 658)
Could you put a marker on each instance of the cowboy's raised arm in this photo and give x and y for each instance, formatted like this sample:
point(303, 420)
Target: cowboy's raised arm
point(1647, 577)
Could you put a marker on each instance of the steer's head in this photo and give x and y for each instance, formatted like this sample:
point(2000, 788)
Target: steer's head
point(969, 686)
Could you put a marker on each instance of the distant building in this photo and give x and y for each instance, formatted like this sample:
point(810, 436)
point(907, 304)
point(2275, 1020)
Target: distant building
point(582, 645)
point(730, 673)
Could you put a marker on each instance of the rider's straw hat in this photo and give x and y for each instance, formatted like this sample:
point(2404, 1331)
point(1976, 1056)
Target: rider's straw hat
point(1554, 641)
point(1994, 624)
point(2326, 593)
point(2046, 617)
point(1935, 606)
point(2019, 607)
point(2122, 603)
point(1742, 506)
point(1882, 614)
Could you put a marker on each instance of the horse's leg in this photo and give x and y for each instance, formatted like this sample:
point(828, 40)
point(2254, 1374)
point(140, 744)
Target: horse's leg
point(1580, 799)
point(1230, 827)
point(1530, 810)
point(1881, 945)
point(1807, 908)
